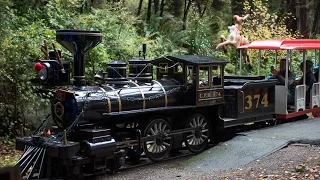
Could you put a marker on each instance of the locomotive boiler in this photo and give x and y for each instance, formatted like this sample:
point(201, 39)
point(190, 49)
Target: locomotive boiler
point(129, 112)
point(106, 100)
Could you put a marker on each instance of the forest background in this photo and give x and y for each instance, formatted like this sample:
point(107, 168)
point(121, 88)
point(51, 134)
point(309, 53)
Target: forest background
point(167, 27)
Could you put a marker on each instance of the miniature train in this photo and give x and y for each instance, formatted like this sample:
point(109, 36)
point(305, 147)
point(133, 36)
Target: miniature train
point(101, 127)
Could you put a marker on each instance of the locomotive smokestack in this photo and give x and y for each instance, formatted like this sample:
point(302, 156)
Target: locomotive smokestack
point(78, 42)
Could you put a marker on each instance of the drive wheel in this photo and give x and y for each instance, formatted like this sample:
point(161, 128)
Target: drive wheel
point(159, 147)
point(196, 141)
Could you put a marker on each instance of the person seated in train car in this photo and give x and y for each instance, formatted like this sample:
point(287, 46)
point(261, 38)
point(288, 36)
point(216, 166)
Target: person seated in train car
point(280, 75)
point(310, 79)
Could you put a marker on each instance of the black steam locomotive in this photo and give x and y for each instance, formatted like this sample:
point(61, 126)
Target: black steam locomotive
point(123, 116)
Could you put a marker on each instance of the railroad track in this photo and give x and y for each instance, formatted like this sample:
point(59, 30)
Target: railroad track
point(145, 161)
point(182, 153)
point(228, 134)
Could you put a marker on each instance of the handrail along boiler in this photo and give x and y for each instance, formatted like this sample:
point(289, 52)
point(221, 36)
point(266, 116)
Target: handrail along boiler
point(124, 116)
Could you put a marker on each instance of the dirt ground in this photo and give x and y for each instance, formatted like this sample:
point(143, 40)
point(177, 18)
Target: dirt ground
point(8, 154)
point(292, 162)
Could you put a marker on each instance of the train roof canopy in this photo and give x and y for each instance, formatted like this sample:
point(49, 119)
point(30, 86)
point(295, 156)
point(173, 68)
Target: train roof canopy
point(284, 44)
point(191, 59)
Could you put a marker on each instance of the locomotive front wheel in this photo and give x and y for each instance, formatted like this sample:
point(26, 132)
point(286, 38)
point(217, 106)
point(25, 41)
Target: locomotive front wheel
point(159, 147)
point(196, 141)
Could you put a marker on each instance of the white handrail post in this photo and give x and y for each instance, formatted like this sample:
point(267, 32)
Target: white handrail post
point(304, 74)
point(259, 62)
point(290, 58)
point(318, 67)
point(240, 61)
point(315, 57)
point(287, 68)
point(304, 66)
point(275, 61)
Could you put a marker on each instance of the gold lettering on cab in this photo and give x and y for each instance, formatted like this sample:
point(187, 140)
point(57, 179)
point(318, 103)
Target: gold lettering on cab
point(217, 94)
point(206, 95)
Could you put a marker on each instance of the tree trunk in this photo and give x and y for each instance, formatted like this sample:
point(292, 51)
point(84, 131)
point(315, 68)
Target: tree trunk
point(316, 19)
point(176, 7)
point(187, 4)
point(149, 10)
point(199, 6)
point(161, 7)
point(202, 6)
point(156, 6)
point(139, 7)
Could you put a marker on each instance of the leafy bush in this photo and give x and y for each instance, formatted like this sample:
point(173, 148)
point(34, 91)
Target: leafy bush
point(21, 37)
point(20, 52)
point(264, 25)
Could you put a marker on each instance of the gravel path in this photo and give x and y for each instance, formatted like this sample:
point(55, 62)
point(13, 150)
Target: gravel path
point(292, 162)
point(252, 145)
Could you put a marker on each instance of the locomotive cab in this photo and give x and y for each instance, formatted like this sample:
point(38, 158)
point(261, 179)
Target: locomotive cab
point(209, 84)
point(202, 77)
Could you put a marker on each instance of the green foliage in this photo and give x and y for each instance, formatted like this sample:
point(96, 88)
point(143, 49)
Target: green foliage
point(165, 36)
point(220, 15)
point(199, 35)
point(120, 39)
point(4, 4)
point(265, 25)
point(20, 42)
point(59, 14)
point(20, 53)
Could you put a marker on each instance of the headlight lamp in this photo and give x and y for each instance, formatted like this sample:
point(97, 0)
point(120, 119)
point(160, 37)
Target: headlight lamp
point(42, 69)
point(43, 74)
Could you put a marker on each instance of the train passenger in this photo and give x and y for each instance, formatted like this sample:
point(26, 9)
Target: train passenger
point(280, 75)
point(310, 79)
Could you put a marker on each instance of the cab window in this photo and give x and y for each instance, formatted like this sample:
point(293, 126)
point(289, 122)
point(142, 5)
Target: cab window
point(163, 67)
point(216, 75)
point(204, 77)
point(189, 74)
point(178, 68)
